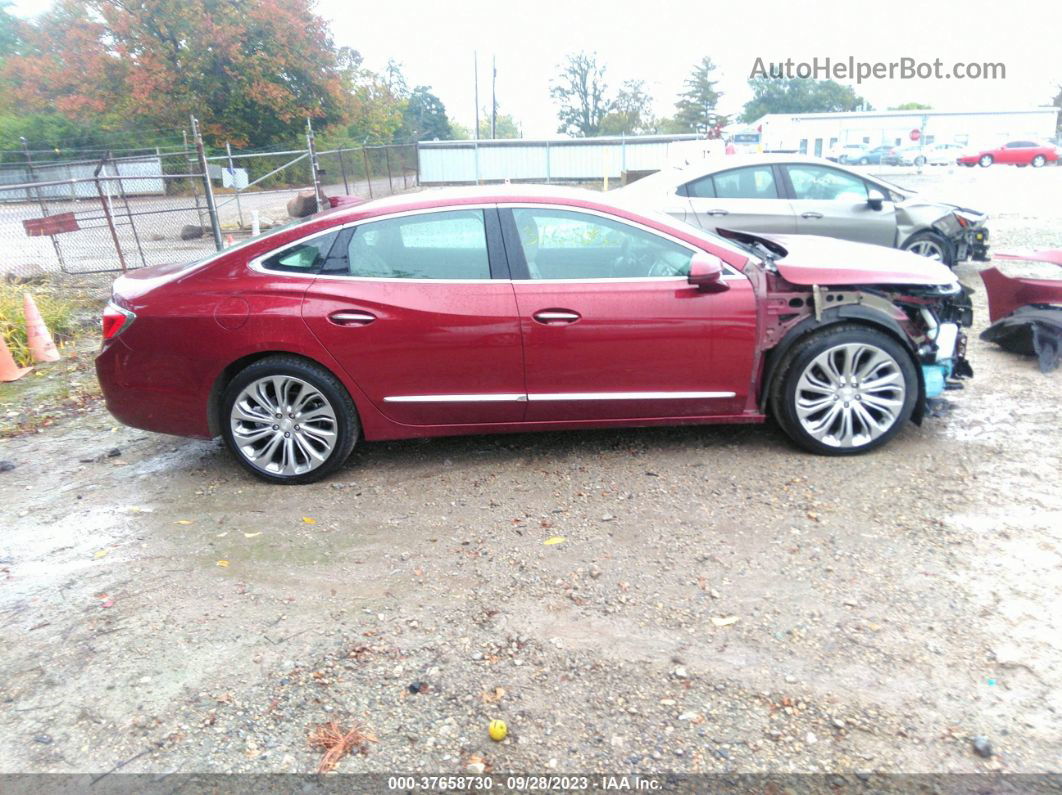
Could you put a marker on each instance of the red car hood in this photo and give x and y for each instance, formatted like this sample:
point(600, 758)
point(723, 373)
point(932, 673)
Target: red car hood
point(825, 260)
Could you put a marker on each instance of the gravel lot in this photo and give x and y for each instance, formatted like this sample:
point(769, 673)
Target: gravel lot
point(720, 601)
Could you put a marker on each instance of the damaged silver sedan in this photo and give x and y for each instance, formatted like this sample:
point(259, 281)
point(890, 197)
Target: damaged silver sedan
point(791, 194)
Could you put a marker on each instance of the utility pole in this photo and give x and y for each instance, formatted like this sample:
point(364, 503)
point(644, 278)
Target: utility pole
point(493, 98)
point(475, 85)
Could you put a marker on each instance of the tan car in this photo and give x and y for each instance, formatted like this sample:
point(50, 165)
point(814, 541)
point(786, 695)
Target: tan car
point(793, 194)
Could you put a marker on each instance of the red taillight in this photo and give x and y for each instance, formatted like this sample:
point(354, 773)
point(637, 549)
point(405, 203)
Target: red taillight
point(115, 320)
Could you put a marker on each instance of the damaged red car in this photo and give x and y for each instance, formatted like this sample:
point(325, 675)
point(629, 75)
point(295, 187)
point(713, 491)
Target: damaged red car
point(499, 309)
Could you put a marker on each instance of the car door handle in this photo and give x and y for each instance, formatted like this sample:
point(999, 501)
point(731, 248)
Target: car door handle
point(811, 214)
point(349, 318)
point(719, 212)
point(556, 317)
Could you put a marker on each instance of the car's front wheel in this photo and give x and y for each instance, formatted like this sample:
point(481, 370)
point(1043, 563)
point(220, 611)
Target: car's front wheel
point(844, 390)
point(920, 161)
point(931, 245)
point(288, 420)
point(1038, 161)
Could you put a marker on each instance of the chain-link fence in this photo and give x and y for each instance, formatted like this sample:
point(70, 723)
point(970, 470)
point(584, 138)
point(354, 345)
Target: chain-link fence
point(83, 216)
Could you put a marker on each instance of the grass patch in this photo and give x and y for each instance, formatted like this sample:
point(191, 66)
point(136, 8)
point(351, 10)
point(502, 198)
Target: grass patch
point(60, 312)
point(60, 389)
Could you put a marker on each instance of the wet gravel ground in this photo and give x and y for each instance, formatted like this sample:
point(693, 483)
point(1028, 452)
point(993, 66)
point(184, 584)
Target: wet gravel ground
point(719, 602)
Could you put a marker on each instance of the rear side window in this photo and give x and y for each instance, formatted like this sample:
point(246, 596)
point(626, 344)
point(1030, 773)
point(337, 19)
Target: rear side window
point(755, 182)
point(305, 257)
point(443, 245)
point(702, 188)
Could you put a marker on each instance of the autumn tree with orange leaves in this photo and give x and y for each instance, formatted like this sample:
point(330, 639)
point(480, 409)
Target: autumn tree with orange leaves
point(251, 70)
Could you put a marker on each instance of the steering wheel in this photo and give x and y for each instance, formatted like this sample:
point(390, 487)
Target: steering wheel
point(631, 263)
point(663, 268)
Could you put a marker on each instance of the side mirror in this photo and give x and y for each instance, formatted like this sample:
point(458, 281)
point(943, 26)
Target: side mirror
point(875, 199)
point(706, 273)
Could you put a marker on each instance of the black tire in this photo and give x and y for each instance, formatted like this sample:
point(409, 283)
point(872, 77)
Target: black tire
point(928, 238)
point(347, 427)
point(920, 161)
point(783, 396)
point(864, 161)
point(1038, 161)
point(986, 160)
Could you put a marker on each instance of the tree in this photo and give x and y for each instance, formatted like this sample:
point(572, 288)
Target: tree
point(252, 71)
point(424, 117)
point(10, 31)
point(912, 106)
point(504, 125)
point(799, 95)
point(579, 91)
point(632, 111)
point(695, 109)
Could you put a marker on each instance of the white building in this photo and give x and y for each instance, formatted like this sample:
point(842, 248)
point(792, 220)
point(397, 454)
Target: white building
point(817, 133)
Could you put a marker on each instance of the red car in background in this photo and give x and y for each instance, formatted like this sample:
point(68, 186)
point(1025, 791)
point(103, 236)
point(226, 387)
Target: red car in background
point(1015, 153)
point(484, 310)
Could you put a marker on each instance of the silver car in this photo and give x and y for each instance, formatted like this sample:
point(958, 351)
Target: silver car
point(803, 195)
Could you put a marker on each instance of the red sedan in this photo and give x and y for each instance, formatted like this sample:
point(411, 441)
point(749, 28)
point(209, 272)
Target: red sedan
point(514, 309)
point(1015, 153)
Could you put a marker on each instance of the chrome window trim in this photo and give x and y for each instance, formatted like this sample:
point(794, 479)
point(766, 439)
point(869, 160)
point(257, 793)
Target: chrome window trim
point(555, 396)
point(729, 272)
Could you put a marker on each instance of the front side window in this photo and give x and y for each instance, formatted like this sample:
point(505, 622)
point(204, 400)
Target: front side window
point(305, 257)
point(825, 184)
point(561, 244)
point(754, 182)
point(442, 245)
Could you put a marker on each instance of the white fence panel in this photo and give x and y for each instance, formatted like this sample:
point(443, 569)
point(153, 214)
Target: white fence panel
point(563, 160)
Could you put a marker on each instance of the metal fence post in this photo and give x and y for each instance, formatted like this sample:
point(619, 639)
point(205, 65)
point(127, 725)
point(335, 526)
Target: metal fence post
point(387, 157)
point(547, 163)
point(215, 223)
point(195, 188)
point(235, 187)
point(106, 202)
point(343, 171)
point(128, 209)
point(368, 174)
point(40, 200)
point(313, 165)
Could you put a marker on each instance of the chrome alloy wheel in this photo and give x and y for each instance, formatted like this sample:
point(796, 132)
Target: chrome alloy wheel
point(850, 395)
point(283, 425)
point(927, 248)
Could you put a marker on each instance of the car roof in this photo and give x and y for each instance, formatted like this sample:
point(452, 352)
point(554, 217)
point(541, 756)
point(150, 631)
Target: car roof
point(680, 175)
point(476, 194)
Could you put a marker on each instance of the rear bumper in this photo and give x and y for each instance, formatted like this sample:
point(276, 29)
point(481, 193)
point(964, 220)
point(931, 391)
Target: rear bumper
point(135, 394)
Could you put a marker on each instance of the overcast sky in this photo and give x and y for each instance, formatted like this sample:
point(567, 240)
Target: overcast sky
point(659, 42)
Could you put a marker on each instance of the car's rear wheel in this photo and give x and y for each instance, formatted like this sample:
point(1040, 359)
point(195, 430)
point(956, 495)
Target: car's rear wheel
point(863, 161)
point(1038, 161)
point(287, 420)
point(931, 245)
point(845, 390)
point(986, 161)
point(920, 161)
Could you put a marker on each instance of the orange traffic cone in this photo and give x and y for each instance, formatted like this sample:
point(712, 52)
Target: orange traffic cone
point(9, 371)
point(38, 338)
